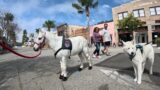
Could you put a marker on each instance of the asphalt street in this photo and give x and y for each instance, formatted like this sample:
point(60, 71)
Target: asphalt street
point(42, 73)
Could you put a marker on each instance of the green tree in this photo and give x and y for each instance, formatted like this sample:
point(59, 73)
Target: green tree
point(12, 33)
point(49, 24)
point(37, 30)
point(8, 18)
point(84, 6)
point(130, 23)
point(24, 37)
point(32, 35)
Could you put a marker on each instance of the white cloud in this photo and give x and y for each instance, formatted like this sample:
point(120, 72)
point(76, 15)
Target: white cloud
point(101, 11)
point(63, 8)
point(30, 25)
point(106, 6)
point(121, 1)
point(20, 8)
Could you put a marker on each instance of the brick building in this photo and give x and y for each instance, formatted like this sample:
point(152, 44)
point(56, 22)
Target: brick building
point(72, 30)
point(147, 11)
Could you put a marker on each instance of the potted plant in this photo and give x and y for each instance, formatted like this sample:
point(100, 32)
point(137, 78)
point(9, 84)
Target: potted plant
point(158, 42)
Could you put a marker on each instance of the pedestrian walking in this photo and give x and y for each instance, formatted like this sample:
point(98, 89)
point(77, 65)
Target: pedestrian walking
point(106, 39)
point(96, 40)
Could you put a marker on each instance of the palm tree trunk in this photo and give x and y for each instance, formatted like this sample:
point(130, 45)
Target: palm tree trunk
point(88, 31)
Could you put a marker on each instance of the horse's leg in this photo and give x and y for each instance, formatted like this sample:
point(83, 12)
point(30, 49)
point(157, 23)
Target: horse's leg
point(63, 74)
point(82, 59)
point(88, 57)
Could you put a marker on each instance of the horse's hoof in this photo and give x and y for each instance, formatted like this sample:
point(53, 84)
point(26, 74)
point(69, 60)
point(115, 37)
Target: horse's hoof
point(90, 67)
point(64, 79)
point(60, 77)
point(79, 69)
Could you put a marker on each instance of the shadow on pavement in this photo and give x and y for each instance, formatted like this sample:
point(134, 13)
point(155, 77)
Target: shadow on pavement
point(42, 66)
point(124, 66)
point(104, 87)
point(75, 68)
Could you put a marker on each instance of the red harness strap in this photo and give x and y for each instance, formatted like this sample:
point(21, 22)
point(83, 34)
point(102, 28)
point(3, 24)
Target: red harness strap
point(18, 54)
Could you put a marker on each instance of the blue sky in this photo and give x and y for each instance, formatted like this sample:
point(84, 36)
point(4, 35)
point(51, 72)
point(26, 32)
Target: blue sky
point(31, 14)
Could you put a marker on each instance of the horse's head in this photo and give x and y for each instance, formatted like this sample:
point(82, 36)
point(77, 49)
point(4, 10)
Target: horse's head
point(39, 41)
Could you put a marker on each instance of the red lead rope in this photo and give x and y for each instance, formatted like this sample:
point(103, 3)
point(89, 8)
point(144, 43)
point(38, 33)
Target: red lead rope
point(18, 54)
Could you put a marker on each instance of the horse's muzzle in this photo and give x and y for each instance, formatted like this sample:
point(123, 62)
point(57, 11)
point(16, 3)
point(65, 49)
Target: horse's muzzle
point(35, 49)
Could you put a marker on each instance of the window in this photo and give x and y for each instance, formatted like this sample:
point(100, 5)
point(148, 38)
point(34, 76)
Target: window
point(155, 10)
point(122, 15)
point(152, 11)
point(125, 14)
point(141, 12)
point(158, 10)
point(138, 13)
point(135, 13)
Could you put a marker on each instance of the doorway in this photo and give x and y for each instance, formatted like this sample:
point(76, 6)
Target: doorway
point(141, 37)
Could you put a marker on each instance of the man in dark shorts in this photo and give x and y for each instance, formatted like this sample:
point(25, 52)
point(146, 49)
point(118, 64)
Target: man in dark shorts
point(106, 39)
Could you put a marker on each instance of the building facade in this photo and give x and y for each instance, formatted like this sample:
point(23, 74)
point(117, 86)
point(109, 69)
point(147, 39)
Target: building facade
point(110, 28)
point(72, 30)
point(147, 11)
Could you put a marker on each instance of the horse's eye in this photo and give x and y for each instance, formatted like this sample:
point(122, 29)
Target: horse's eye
point(128, 48)
point(39, 38)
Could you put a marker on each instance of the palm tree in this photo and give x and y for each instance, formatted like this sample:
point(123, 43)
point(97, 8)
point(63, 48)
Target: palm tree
point(9, 17)
point(49, 24)
point(84, 6)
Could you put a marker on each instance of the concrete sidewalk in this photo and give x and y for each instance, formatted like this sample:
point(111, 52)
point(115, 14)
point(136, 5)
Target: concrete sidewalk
point(42, 73)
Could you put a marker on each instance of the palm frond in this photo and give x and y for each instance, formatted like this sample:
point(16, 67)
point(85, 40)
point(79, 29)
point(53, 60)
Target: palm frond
point(77, 6)
point(49, 24)
point(95, 4)
point(81, 11)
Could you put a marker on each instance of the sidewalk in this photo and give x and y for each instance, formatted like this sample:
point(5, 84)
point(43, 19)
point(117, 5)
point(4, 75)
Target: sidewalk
point(42, 73)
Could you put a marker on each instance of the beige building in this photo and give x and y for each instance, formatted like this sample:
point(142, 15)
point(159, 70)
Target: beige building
point(146, 10)
point(72, 30)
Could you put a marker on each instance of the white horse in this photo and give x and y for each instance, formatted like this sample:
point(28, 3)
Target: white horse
point(79, 47)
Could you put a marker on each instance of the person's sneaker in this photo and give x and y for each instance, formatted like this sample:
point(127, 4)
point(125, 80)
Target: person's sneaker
point(93, 56)
point(98, 57)
point(108, 54)
point(102, 51)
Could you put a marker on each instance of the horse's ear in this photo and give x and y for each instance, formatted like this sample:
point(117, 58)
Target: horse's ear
point(44, 33)
point(40, 31)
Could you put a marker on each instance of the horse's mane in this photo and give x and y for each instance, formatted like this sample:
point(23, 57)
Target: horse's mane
point(53, 35)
